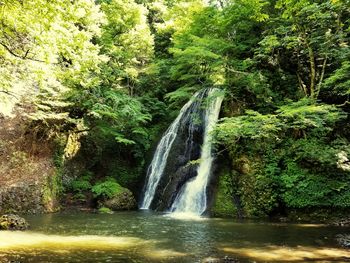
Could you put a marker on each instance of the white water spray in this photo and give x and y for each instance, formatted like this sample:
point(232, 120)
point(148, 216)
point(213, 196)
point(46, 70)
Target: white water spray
point(156, 168)
point(193, 198)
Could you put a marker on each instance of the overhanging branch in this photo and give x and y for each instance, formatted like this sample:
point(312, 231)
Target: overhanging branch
point(237, 71)
point(25, 56)
point(9, 93)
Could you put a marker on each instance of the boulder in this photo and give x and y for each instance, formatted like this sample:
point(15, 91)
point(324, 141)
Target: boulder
point(13, 222)
point(123, 200)
point(342, 222)
point(343, 240)
point(226, 259)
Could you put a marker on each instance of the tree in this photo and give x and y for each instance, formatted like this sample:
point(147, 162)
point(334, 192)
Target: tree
point(307, 38)
point(46, 49)
point(127, 41)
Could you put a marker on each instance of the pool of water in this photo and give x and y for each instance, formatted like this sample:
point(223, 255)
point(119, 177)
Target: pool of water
point(155, 237)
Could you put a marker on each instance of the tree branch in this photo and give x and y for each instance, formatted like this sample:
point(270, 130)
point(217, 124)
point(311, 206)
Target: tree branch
point(345, 103)
point(9, 93)
point(237, 71)
point(80, 131)
point(312, 70)
point(302, 85)
point(321, 77)
point(25, 55)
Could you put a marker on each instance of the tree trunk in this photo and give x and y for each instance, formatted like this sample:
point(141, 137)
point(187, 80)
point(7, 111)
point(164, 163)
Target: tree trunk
point(312, 71)
point(321, 77)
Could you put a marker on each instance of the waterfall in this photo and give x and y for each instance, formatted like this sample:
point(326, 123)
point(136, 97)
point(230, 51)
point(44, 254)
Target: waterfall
point(193, 197)
point(174, 179)
point(159, 161)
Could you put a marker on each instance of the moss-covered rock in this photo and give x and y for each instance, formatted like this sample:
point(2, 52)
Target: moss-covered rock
point(123, 200)
point(28, 198)
point(13, 222)
point(105, 210)
point(254, 186)
point(244, 189)
point(223, 204)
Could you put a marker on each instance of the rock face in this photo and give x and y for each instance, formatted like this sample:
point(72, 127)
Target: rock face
point(344, 240)
point(21, 198)
point(13, 222)
point(224, 201)
point(123, 200)
point(26, 198)
point(28, 174)
point(186, 148)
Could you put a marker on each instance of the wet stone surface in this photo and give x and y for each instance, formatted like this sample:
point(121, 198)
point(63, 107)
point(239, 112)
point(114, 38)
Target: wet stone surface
point(13, 222)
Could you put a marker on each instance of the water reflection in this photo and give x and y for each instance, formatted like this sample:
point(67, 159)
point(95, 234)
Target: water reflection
point(153, 237)
point(29, 240)
point(290, 254)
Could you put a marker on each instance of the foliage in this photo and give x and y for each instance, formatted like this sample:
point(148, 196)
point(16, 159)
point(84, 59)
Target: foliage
point(17, 158)
point(127, 41)
point(295, 156)
point(112, 74)
point(106, 189)
point(339, 81)
point(299, 117)
point(223, 205)
point(308, 39)
point(126, 174)
point(82, 184)
point(258, 195)
point(51, 192)
point(45, 53)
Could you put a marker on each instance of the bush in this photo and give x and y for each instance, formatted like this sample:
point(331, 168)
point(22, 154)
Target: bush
point(81, 184)
point(106, 189)
point(294, 154)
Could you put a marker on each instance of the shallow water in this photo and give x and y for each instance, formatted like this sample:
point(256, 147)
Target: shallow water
point(155, 237)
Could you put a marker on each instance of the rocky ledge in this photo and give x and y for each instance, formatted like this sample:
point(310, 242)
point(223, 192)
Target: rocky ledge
point(123, 200)
point(13, 222)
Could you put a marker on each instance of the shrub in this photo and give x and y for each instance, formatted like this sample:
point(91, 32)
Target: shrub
point(81, 184)
point(107, 188)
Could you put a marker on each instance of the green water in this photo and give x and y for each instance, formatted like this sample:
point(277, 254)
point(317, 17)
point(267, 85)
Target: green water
point(153, 237)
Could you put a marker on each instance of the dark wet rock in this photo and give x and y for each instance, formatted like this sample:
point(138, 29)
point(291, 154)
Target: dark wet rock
point(226, 259)
point(343, 240)
point(342, 222)
point(124, 200)
point(181, 164)
point(13, 222)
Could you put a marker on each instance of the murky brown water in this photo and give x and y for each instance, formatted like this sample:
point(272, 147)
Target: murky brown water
point(153, 237)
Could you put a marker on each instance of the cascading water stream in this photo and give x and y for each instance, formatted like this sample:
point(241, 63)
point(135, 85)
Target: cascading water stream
point(192, 199)
point(159, 161)
point(174, 180)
